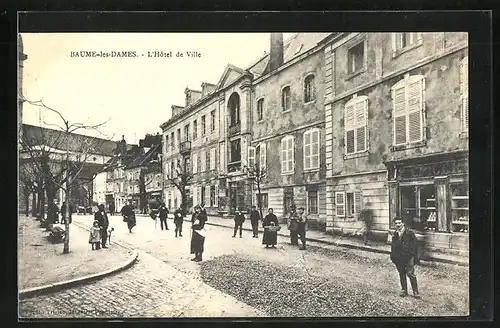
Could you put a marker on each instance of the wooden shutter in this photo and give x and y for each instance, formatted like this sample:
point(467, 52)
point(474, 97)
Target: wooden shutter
point(207, 195)
point(349, 114)
point(251, 157)
point(415, 106)
point(291, 154)
point(399, 114)
point(212, 159)
point(357, 203)
point(340, 204)
point(315, 149)
point(307, 150)
point(216, 200)
point(349, 142)
point(263, 156)
point(284, 154)
point(360, 119)
point(394, 37)
point(203, 158)
point(464, 92)
point(195, 163)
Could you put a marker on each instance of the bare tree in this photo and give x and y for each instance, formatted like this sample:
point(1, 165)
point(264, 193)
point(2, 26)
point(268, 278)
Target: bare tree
point(181, 178)
point(258, 174)
point(70, 163)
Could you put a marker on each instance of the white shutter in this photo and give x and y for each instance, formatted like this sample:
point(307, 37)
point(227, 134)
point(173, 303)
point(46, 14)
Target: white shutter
point(360, 119)
point(415, 103)
point(203, 159)
point(399, 114)
point(216, 200)
point(195, 163)
point(464, 92)
point(222, 157)
point(251, 157)
point(340, 204)
point(263, 156)
point(291, 149)
point(315, 149)
point(212, 159)
point(357, 203)
point(283, 155)
point(394, 43)
point(307, 150)
point(207, 195)
point(349, 114)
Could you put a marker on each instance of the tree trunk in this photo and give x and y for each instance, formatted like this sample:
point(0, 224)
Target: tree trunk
point(33, 204)
point(38, 198)
point(26, 202)
point(68, 201)
point(259, 200)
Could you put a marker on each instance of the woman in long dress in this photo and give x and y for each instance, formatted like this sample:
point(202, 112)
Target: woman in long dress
point(270, 238)
point(198, 234)
point(128, 216)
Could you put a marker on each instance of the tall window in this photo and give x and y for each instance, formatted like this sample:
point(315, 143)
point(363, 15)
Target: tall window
point(309, 89)
point(287, 154)
point(263, 201)
point(166, 143)
point(195, 129)
point(179, 136)
point(212, 158)
point(408, 106)
point(356, 58)
point(406, 40)
point(172, 140)
point(261, 155)
point(203, 125)
point(311, 149)
point(195, 163)
point(355, 125)
point(285, 99)
point(260, 109)
point(234, 108)
point(212, 121)
point(464, 93)
point(235, 151)
point(203, 158)
point(186, 133)
point(209, 160)
point(212, 196)
point(312, 202)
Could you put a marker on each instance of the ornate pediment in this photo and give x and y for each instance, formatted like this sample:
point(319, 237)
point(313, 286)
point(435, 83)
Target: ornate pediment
point(230, 75)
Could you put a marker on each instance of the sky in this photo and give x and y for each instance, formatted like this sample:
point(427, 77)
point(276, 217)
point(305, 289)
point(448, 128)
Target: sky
point(133, 95)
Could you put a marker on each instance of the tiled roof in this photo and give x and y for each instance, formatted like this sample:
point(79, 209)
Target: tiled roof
point(145, 157)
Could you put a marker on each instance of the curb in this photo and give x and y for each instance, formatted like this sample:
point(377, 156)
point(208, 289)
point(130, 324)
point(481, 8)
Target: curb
point(55, 287)
point(359, 247)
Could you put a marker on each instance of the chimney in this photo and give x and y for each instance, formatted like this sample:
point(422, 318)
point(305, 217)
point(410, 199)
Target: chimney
point(176, 110)
point(276, 51)
point(206, 88)
point(192, 96)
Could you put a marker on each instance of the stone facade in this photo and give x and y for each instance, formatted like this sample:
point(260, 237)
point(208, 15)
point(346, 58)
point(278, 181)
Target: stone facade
point(368, 76)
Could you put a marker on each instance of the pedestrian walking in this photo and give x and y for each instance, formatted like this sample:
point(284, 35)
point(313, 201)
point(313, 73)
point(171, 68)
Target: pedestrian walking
point(270, 237)
point(403, 252)
point(163, 214)
point(102, 218)
point(111, 209)
point(302, 227)
point(95, 235)
point(178, 221)
point(128, 216)
point(198, 234)
point(293, 226)
point(239, 218)
point(203, 212)
point(254, 220)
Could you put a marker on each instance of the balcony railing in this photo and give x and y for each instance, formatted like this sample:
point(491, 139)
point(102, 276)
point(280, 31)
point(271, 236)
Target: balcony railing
point(185, 147)
point(234, 167)
point(234, 129)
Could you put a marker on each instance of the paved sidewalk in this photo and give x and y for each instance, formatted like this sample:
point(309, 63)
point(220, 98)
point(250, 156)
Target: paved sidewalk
point(42, 263)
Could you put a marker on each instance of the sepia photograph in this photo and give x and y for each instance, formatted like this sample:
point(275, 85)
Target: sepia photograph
point(255, 175)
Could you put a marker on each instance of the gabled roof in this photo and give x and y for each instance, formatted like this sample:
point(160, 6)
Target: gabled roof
point(144, 158)
point(238, 72)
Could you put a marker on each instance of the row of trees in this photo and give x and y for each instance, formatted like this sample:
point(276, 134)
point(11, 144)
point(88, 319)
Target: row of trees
point(53, 160)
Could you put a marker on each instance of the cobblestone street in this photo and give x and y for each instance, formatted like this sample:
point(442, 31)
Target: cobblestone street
point(164, 282)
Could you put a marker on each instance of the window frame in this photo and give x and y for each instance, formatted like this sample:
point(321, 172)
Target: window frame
point(405, 83)
point(212, 159)
point(312, 88)
point(262, 155)
point(195, 129)
point(195, 163)
point(342, 204)
point(203, 159)
point(212, 120)
point(288, 152)
point(311, 147)
point(289, 88)
point(309, 202)
point(398, 49)
point(203, 125)
point(350, 73)
point(260, 109)
point(355, 125)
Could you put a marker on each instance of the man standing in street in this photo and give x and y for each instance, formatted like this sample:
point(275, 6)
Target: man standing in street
point(403, 251)
point(239, 218)
point(254, 219)
point(302, 227)
point(111, 209)
point(293, 226)
point(102, 218)
point(163, 214)
point(178, 220)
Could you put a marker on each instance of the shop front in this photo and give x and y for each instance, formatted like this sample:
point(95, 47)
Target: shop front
point(431, 194)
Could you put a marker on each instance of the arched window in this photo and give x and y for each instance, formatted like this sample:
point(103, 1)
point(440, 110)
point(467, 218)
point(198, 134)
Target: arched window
point(311, 149)
point(234, 108)
point(285, 99)
point(287, 154)
point(260, 109)
point(309, 89)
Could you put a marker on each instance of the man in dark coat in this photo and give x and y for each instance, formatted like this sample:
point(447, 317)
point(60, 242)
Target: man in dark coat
point(198, 234)
point(163, 214)
point(239, 218)
point(203, 212)
point(403, 251)
point(254, 220)
point(129, 216)
point(102, 218)
point(302, 227)
point(293, 226)
point(111, 209)
point(178, 220)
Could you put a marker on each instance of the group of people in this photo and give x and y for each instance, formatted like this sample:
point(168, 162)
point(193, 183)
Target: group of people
point(297, 224)
point(53, 213)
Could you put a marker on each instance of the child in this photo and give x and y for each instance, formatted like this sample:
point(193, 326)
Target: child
point(95, 236)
